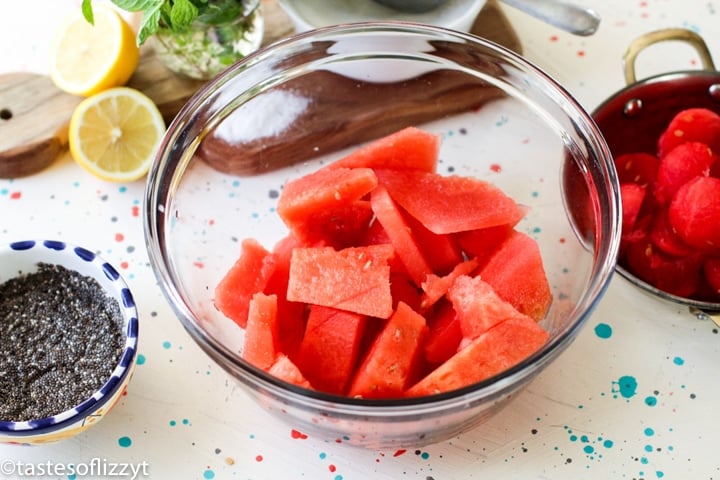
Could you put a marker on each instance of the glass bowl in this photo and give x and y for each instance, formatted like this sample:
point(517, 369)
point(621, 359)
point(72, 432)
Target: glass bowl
point(300, 103)
point(24, 258)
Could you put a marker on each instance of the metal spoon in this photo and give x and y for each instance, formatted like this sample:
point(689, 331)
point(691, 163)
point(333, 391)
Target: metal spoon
point(564, 15)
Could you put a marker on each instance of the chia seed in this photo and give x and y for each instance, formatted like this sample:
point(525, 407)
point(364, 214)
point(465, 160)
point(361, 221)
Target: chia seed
point(60, 339)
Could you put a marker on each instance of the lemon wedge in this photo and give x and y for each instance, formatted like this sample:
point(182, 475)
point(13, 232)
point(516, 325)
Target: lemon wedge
point(115, 134)
point(86, 59)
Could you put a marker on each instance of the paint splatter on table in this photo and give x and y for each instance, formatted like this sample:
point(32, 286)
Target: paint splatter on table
point(632, 398)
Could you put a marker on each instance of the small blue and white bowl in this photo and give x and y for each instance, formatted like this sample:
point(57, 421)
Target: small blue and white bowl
point(23, 258)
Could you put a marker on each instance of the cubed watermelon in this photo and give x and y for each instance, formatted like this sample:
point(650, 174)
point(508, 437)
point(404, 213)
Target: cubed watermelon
point(394, 357)
point(482, 242)
point(409, 148)
point(356, 279)
point(261, 334)
point(478, 307)
point(247, 276)
point(436, 287)
point(500, 348)
point(400, 235)
point(330, 348)
point(516, 272)
point(311, 196)
point(448, 204)
point(444, 334)
point(287, 371)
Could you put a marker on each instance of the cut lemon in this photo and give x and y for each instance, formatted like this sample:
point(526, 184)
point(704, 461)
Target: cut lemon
point(86, 59)
point(114, 134)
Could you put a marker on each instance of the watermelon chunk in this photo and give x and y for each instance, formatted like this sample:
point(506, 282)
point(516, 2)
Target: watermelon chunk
point(711, 270)
point(638, 168)
point(400, 234)
point(478, 307)
point(330, 348)
point(291, 315)
point(632, 196)
point(441, 252)
point(680, 165)
point(500, 348)
point(409, 148)
point(287, 371)
point(308, 199)
point(516, 272)
point(482, 242)
point(261, 333)
point(248, 275)
point(694, 213)
point(691, 125)
point(679, 276)
point(356, 279)
point(393, 358)
point(665, 238)
point(448, 204)
point(436, 287)
point(444, 334)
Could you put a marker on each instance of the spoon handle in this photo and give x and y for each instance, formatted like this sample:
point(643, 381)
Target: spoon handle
point(567, 16)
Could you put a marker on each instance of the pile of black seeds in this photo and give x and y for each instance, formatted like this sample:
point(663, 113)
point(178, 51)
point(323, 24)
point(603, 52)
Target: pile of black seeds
point(60, 339)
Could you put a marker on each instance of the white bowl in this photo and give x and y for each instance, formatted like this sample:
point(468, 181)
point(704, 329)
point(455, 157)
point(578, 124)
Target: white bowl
point(310, 14)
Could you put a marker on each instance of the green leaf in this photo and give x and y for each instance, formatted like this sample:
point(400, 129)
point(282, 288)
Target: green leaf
point(87, 11)
point(182, 14)
point(149, 24)
point(144, 6)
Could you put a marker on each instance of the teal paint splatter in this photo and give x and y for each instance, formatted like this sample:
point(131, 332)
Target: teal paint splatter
point(124, 442)
point(608, 444)
point(208, 474)
point(648, 448)
point(322, 455)
point(185, 421)
point(659, 474)
point(626, 387)
point(650, 401)
point(424, 455)
point(141, 359)
point(173, 423)
point(603, 330)
point(589, 449)
point(166, 345)
point(678, 361)
point(649, 432)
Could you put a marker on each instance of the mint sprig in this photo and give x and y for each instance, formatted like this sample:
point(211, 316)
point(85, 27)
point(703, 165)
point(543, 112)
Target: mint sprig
point(176, 15)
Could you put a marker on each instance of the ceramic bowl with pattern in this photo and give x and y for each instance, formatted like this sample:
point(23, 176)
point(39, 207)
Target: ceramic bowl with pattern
point(81, 325)
point(305, 101)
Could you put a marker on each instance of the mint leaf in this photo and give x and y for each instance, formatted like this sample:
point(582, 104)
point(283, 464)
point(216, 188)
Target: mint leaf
point(138, 5)
point(182, 14)
point(149, 24)
point(87, 11)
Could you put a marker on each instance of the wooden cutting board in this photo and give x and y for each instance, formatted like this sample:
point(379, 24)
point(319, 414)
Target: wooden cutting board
point(34, 114)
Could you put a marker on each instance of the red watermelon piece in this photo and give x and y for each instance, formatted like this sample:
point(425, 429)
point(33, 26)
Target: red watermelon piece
point(330, 348)
point(500, 348)
point(691, 125)
point(409, 148)
point(285, 370)
point(449, 204)
point(679, 276)
point(356, 279)
point(632, 196)
point(440, 250)
point(665, 238)
point(444, 334)
point(261, 334)
point(248, 275)
point(436, 287)
point(694, 213)
point(393, 359)
point(516, 272)
point(482, 242)
point(308, 199)
point(711, 270)
point(680, 165)
point(638, 168)
point(400, 234)
point(478, 307)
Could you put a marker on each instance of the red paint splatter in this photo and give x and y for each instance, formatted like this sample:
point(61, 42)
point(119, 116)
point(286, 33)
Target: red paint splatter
point(563, 240)
point(199, 264)
point(332, 468)
point(135, 211)
point(119, 237)
point(297, 435)
point(554, 38)
point(124, 265)
point(496, 168)
point(258, 458)
point(211, 222)
point(338, 440)
point(581, 53)
point(402, 451)
point(15, 195)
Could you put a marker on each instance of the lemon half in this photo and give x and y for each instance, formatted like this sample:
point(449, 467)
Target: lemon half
point(115, 134)
point(86, 59)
